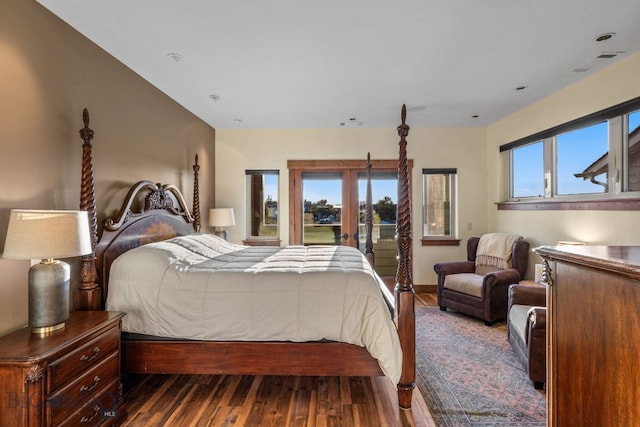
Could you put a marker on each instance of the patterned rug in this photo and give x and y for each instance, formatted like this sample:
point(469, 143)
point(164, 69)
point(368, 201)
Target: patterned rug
point(469, 375)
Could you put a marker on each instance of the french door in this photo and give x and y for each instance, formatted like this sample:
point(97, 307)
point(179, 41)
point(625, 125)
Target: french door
point(327, 201)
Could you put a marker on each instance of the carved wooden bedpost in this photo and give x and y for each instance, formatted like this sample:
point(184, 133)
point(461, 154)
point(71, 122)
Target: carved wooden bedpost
point(368, 221)
point(196, 196)
point(88, 295)
point(405, 303)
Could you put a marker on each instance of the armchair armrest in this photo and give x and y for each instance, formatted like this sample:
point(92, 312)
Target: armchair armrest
point(501, 277)
point(537, 318)
point(536, 324)
point(453, 267)
point(528, 295)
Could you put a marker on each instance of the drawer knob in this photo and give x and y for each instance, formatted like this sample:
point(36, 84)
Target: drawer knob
point(96, 411)
point(92, 356)
point(85, 388)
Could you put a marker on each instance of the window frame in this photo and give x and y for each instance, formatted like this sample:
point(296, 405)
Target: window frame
point(616, 198)
point(443, 239)
point(511, 168)
point(250, 238)
point(347, 167)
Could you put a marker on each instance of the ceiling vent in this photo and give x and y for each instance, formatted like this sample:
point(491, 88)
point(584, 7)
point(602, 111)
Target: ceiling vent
point(594, 61)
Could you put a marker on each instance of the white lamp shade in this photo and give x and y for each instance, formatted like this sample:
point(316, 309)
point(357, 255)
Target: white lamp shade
point(221, 217)
point(44, 234)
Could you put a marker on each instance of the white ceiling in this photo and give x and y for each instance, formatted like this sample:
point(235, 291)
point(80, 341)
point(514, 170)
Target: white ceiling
point(303, 64)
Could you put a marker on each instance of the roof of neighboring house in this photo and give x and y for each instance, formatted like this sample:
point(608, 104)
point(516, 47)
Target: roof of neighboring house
point(601, 165)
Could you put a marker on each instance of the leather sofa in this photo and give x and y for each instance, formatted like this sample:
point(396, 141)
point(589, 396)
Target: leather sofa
point(527, 329)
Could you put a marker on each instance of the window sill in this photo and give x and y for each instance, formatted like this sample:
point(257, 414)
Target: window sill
point(440, 242)
point(575, 205)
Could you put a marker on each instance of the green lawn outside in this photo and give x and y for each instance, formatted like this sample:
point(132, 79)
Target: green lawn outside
point(384, 248)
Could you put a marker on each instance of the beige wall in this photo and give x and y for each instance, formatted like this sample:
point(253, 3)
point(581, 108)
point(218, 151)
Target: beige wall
point(611, 86)
point(48, 74)
point(429, 148)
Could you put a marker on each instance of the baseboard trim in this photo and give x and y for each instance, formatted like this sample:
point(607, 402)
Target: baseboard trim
point(425, 289)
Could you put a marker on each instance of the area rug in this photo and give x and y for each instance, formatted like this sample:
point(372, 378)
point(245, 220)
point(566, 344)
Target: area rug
point(470, 376)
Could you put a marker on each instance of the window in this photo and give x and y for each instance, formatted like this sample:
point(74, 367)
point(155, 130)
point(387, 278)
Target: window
point(528, 170)
point(580, 165)
point(633, 151)
point(594, 158)
point(438, 209)
point(262, 191)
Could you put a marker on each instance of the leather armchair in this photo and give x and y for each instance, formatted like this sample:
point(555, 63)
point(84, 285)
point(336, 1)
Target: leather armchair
point(486, 296)
point(527, 329)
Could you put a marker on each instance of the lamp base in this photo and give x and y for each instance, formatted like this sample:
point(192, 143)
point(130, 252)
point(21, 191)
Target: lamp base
point(220, 232)
point(48, 296)
point(45, 330)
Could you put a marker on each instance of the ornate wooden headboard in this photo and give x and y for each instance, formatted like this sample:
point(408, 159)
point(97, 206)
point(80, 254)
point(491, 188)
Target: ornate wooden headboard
point(160, 219)
point(164, 214)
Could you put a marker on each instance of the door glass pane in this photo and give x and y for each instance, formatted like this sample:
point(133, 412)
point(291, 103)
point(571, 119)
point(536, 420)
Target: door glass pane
point(322, 210)
point(384, 198)
point(633, 155)
point(582, 164)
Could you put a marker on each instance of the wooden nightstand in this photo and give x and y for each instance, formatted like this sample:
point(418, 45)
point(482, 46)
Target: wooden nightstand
point(68, 378)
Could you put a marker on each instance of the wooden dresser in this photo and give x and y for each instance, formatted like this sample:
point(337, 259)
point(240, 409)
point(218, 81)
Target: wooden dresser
point(593, 327)
point(70, 377)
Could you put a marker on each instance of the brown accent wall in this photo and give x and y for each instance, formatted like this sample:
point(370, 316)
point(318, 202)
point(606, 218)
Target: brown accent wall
point(48, 74)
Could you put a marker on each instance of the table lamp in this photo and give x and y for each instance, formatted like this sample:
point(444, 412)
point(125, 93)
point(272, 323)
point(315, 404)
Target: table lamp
point(219, 218)
point(45, 235)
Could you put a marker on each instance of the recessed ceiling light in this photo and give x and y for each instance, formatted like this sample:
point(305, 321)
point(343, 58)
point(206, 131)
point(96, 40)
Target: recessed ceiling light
point(238, 121)
point(353, 121)
point(605, 36)
point(175, 56)
point(523, 87)
point(214, 97)
point(475, 116)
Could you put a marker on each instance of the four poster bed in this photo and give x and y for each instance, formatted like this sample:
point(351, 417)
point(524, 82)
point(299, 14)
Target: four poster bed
point(229, 284)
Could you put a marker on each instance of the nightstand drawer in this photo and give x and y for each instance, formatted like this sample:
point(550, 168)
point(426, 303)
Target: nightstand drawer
point(83, 390)
point(63, 370)
point(102, 410)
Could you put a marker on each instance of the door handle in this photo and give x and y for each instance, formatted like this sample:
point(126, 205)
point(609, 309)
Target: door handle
point(345, 236)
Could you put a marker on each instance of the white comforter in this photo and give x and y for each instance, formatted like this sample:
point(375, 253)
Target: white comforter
point(202, 287)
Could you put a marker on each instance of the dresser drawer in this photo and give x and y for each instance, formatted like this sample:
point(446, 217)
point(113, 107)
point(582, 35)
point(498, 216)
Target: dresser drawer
point(83, 390)
point(103, 409)
point(82, 359)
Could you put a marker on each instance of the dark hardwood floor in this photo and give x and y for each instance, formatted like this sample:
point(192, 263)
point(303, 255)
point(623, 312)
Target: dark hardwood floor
point(223, 400)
